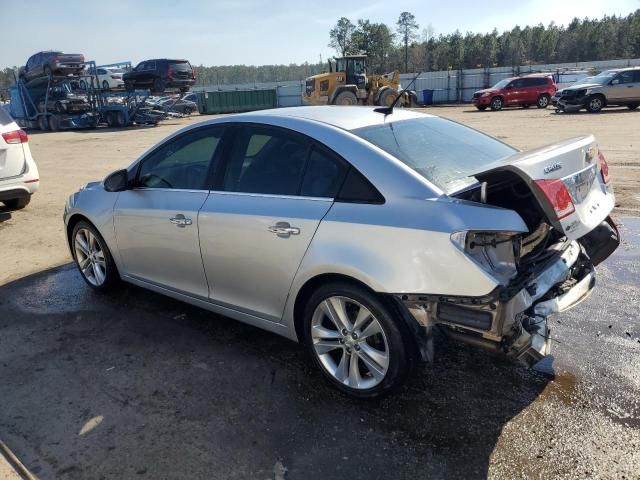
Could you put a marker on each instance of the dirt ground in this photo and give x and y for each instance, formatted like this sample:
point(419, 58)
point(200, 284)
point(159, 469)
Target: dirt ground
point(33, 240)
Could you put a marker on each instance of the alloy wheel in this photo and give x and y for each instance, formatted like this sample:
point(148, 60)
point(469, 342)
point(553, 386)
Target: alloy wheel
point(595, 104)
point(90, 257)
point(350, 342)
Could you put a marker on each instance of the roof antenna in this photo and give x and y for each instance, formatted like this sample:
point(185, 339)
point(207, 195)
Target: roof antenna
point(389, 110)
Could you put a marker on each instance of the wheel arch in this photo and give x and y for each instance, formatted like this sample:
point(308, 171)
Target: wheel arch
point(406, 322)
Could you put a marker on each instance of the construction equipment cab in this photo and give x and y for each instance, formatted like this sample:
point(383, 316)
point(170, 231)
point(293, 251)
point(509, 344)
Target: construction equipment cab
point(347, 83)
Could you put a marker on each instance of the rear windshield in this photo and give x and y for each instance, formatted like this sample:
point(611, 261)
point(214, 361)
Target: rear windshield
point(5, 118)
point(442, 151)
point(180, 66)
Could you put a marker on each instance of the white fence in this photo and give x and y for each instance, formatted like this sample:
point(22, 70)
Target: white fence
point(450, 86)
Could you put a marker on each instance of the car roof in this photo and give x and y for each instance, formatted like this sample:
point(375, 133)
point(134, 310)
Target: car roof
point(344, 117)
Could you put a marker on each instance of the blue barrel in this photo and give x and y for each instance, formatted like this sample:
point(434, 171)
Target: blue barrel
point(427, 97)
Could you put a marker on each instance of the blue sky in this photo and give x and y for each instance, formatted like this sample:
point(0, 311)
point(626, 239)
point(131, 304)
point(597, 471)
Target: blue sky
point(248, 31)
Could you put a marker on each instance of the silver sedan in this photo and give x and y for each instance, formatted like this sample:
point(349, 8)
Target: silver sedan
point(356, 232)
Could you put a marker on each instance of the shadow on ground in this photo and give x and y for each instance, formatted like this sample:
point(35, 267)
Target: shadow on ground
point(110, 386)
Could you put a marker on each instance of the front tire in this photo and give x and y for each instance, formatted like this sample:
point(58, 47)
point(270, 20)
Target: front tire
point(482, 108)
point(543, 101)
point(346, 98)
point(356, 340)
point(632, 106)
point(105, 85)
point(496, 104)
point(93, 258)
point(595, 104)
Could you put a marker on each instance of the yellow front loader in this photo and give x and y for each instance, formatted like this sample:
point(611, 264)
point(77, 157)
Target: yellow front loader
point(347, 83)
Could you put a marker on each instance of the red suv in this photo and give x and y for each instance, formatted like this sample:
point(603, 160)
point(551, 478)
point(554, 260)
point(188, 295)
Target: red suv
point(522, 91)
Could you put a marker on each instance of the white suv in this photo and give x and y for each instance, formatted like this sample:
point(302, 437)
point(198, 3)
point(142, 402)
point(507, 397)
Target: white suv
point(18, 172)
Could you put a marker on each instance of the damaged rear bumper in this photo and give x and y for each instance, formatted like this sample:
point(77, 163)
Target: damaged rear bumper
point(512, 320)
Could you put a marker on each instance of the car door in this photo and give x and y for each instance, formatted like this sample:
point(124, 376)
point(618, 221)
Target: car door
point(156, 222)
point(513, 92)
point(621, 88)
point(261, 215)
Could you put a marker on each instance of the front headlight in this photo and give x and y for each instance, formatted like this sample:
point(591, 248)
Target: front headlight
point(495, 252)
point(485, 94)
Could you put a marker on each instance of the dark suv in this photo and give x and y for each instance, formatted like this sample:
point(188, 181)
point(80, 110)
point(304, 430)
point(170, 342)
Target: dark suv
point(160, 74)
point(521, 91)
point(52, 63)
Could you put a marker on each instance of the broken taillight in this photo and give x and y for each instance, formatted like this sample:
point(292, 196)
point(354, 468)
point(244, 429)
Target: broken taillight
point(604, 167)
point(16, 136)
point(558, 196)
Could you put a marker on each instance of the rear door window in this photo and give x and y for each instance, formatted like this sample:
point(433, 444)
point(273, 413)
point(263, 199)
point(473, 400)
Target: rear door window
point(266, 160)
point(180, 66)
point(324, 174)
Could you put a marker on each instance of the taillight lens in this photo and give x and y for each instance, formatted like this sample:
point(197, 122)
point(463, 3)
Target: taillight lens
point(82, 58)
point(558, 196)
point(604, 167)
point(17, 136)
point(193, 72)
point(170, 72)
point(56, 58)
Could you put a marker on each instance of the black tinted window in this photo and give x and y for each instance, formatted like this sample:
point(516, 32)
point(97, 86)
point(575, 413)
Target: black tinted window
point(180, 66)
point(182, 163)
point(518, 83)
point(266, 161)
point(323, 175)
point(357, 189)
point(636, 76)
point(626, 77)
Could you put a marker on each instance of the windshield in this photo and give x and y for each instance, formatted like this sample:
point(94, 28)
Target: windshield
point(604, 77)
point(502, 83)
point(442, 151)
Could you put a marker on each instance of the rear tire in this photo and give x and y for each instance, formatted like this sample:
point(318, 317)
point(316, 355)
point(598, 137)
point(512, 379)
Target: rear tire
point(369, 356)
point(633, 106)
point(346, 98)
point(496, 104)
point(543, 101)
point(187, 111)
point(120, 119)
point(93, 258)
point(595, 103)
point(105, 85)
point(111, 120)
point(17, 203)
point(129, 86)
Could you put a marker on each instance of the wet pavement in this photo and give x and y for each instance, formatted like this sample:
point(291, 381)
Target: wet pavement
point(136, 385)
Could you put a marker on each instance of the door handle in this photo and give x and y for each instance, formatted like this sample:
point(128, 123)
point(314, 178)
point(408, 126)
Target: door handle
point(180, 220)
point(283, 229)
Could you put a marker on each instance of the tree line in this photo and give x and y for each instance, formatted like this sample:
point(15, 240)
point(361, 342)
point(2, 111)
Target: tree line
point(406, 47)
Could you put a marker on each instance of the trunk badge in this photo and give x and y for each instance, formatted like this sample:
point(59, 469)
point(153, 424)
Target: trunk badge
point(552, 168)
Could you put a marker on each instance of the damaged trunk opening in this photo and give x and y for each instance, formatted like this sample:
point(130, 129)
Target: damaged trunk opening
point(546, 270)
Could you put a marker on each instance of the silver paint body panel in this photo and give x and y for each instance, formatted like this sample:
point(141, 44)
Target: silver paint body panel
point(230, 263)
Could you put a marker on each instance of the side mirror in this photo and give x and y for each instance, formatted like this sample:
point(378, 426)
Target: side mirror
point(615, 81)
point(509, 87)
point(118, 181)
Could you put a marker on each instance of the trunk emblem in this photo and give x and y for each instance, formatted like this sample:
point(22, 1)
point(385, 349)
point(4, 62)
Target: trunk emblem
point(552, 168)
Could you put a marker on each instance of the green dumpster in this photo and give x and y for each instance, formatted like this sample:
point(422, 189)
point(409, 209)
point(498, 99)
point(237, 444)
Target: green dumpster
point(235, 101)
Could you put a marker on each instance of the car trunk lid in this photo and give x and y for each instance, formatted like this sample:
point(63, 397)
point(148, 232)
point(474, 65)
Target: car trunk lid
point(569, 179)
point(74, 59)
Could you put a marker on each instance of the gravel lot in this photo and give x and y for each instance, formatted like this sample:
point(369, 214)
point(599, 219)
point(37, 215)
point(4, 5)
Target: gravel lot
point(135, 385)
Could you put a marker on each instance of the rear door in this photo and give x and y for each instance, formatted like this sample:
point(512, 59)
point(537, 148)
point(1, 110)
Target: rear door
point(156, 222)
point(621, 88)
point(12, 159)
point(258, 221)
